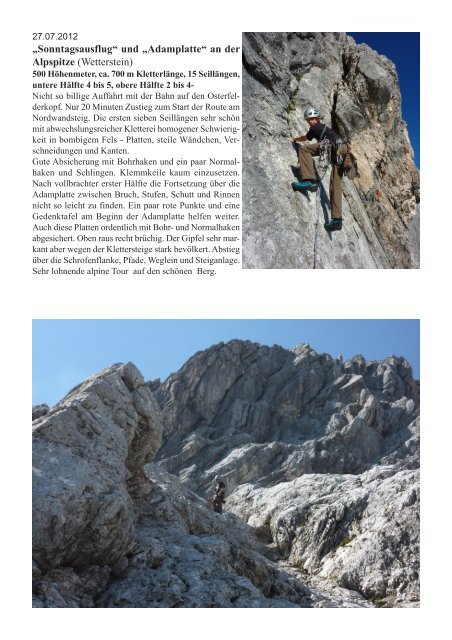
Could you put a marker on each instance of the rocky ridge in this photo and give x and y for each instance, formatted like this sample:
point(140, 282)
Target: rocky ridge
point(357, 92)
point(320, 459)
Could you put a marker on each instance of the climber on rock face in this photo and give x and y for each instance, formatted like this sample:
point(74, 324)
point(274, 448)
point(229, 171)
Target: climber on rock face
point(218, 497)
point(323, 135)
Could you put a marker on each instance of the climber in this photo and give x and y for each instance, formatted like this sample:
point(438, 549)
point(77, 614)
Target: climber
point(218, 497)
point(306, 152)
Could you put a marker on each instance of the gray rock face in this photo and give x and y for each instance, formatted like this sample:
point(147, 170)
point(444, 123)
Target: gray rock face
point(88, 454)
point(320, 460)
point(39, 410)
point(265, 414)
point(110, 532)
point(361, 531)
point(186, 555)
point(358, 95)
point(320, 457)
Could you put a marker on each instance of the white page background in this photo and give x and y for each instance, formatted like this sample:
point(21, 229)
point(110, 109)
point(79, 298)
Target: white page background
point(420, 294)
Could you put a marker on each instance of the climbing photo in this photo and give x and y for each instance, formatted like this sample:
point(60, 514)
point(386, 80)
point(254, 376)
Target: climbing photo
point(239, 464)
point(331, 150)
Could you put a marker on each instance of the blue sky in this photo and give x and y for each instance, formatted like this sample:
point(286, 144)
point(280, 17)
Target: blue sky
point(65, 352)
point(403, 48)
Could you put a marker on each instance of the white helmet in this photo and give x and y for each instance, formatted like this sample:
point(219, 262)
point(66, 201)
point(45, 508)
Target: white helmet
point(311, 112)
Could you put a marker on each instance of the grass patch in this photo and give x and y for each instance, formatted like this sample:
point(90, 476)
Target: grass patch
point(347, 541)
point(378, 603)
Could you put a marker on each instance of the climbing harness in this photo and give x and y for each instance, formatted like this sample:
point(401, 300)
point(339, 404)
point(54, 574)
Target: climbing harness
point(324, 154)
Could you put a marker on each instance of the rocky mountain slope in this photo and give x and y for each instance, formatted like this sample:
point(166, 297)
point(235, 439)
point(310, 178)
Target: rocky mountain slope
point(321, 463)
point(358, 95)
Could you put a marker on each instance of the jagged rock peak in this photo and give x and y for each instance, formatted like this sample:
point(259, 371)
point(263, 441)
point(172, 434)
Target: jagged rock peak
point(241, 398)
point(357, 92)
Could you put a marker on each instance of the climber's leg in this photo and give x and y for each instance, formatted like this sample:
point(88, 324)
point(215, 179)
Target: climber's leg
point(306, 171)
point(305, 154)
point(336, 192)
point(335, 224)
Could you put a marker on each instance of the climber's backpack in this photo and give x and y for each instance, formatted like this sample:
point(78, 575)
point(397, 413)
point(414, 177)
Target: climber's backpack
point(350, 165)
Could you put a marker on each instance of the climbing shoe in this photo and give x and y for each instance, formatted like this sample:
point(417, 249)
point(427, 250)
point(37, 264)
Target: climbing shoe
point(335, 224)
point(311, 185)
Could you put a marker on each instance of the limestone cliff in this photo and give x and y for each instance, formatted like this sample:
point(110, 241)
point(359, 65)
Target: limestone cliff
point(321, 463)
point(358, 95)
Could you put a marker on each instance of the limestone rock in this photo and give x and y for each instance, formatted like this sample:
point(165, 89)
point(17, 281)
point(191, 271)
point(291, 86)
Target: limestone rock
point(358, 95)
point(186, 555)
point(88, 452)
point(265, 414)
point(320, 459)
point(360, 532)
point(109, 531)
point(39, 410)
